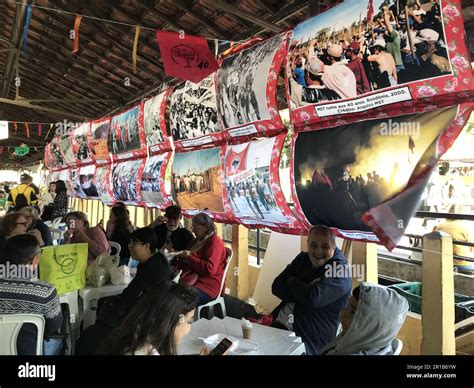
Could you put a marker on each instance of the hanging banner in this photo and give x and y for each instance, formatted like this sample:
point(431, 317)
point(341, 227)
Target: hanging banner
point(369, 176)
point(76, 184)
point(58, 161)
point(197, 183)
point(153, 190)
point(186, 56)
point(65, 176)
point(67, 152)
point(103, 182)
point(253, 186)
point(98, 136)
point(246, 90)
point(51, 177)
point(21, 151)
point(80, 144)
point(87, 180)
point(193, 115)
point(155, 123)
point(343, 66)
point(127, 136)
point(126, 181)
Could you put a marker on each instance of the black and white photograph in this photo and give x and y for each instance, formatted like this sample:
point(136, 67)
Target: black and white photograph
point(67, 151)
point(152, 180)
point(193, 109)
point(124, 180)
point(242, 84)
point(248, 184)
point(152, 120)
point(88, 181)
point(361, 46)
point(124, 132)
point(57, 157)
point(80, 143)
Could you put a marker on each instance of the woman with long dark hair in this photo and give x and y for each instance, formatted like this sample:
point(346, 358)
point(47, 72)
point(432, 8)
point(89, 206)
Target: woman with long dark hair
point(157, 323)
point(119, 231)
point(60, 201)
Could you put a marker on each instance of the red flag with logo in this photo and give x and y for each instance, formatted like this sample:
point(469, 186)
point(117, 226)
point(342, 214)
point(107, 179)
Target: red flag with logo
point(236, 162)
point(186, 56)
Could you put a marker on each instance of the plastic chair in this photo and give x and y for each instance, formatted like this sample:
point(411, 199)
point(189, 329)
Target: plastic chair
point(397, 346)
point(10, 325)
point(220, 299)
point(117, 248)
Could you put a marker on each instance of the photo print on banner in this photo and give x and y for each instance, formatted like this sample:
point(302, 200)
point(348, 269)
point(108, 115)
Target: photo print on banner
point(87, 180)
point(103, 182)
point(67, 153)
point(80, 144)
point(58, 161)
point(155, 123)
point(197, 183)
point(253, 186)
point(65, 176)
point(49, 161)
point(76, 183)
point(246, 90)
point(99, 134)
point(348, 64)
point(369, 176)
point(153, 190)
point(193, 114)
point(126, 181)
point(127, 135)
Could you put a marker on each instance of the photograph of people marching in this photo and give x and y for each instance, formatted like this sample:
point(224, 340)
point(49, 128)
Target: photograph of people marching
point(193, 109)
point(124, 181)
point(152, 181)
point(242, 82)
point(196, 180)
point(124, 134)
point(362, 46)
point(100, 133)
point(152, 106)
point(248, 185)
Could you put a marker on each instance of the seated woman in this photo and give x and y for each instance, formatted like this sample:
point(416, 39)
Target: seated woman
point(59, 205)
point(79, 231)
point(207, 258)
point(370, 322)
point(157, 323)
point(119, 229)
point(12, 224)
point(36, 226)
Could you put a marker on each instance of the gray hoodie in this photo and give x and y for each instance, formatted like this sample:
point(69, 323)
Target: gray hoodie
point(379, 316)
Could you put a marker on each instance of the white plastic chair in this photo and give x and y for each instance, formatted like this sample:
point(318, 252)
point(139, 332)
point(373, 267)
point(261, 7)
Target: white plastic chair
point(397, 346)
point(10, 325)
point(117, 248)
point(220, 299)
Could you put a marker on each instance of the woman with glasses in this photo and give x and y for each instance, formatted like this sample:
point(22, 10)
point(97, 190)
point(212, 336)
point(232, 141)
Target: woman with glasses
point(12, 224)
point(36, 227)
point(207, 258)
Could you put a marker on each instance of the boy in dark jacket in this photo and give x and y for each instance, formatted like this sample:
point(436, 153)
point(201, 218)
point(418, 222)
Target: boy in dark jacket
point(314, 288)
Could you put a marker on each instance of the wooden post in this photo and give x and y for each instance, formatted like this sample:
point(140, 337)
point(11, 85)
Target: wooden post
point(364, 257)
point(437, 309)
point(219, 227)
point(238, 274)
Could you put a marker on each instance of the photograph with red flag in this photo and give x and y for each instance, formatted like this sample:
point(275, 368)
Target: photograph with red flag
point(357, 178)
point(186, 56)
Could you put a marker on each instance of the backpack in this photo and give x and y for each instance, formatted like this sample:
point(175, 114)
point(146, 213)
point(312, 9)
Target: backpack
point(20, 200)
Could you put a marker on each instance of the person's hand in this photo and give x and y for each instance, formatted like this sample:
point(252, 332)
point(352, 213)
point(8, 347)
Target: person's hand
point(68, 234)
point(169, 247)
point(204, 351)
point(37, 234)
point(100, 224)
point(184, 255)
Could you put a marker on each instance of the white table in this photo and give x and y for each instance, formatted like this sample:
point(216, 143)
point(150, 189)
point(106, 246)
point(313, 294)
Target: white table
point(90, 296)
point(271, 341)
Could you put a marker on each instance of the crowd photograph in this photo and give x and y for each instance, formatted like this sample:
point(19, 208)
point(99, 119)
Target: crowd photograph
point(123, 133)
point(152, 109)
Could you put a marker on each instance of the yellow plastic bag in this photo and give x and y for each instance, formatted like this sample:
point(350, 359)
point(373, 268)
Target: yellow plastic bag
point(64, 266)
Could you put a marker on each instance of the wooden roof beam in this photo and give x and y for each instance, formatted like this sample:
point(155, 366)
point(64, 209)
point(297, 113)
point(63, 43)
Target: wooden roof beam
point(227, 7)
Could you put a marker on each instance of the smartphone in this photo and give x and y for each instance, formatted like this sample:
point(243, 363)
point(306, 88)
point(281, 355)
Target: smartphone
point(221, 348)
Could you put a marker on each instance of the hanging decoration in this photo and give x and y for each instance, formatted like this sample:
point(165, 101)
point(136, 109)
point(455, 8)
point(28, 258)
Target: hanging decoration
point(77, 24)
point(25, 31)
point(135, 47)
point(21, 151)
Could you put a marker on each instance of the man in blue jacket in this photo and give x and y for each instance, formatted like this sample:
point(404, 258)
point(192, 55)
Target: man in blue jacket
point(314, 288)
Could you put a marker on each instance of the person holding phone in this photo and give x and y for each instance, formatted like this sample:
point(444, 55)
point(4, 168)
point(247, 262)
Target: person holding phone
point(157, 323)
